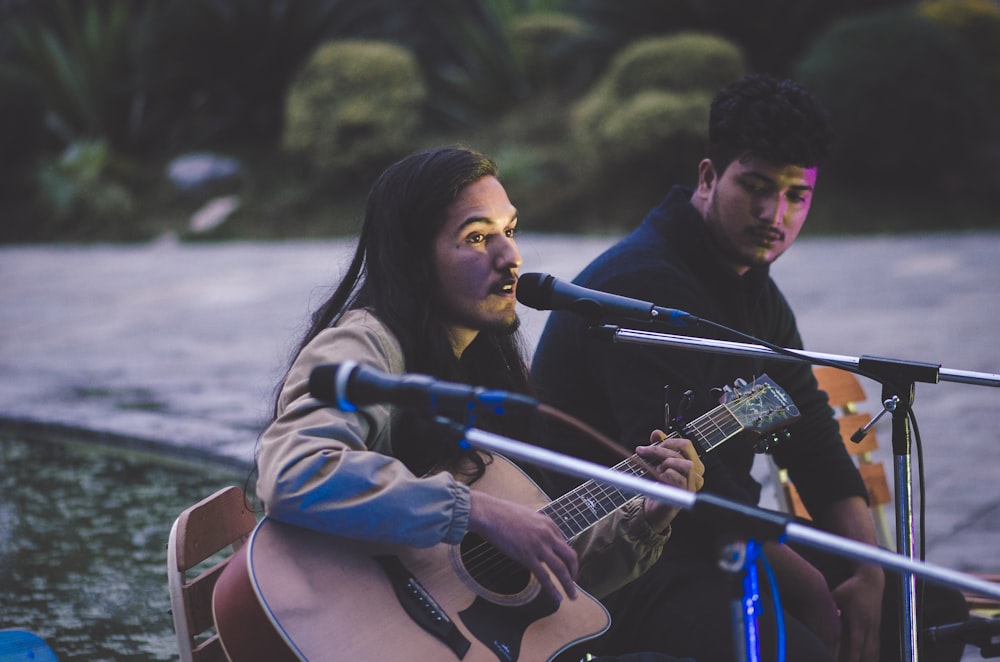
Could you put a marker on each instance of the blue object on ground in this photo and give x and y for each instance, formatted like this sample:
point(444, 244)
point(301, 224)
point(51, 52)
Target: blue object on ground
point(21, 645)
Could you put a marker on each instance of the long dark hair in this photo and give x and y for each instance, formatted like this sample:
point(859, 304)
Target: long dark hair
point(393, 274)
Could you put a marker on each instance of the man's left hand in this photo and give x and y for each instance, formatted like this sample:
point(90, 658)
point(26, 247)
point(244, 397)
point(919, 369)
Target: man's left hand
point(674, 462)
point(860, 602)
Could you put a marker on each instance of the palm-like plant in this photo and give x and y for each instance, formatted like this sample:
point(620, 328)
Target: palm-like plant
point(82, 61)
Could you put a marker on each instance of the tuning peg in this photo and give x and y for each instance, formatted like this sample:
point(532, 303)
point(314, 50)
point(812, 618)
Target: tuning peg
point(767, 443)
point(687, 400)
point(762, 445)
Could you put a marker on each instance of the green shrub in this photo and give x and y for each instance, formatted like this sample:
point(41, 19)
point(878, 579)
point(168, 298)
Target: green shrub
point(682, 62)
point(653, 123)
point(905, 97)
point(354, 105)
point(83, 196)
point(977, 25)
point(650, 109)
point(552, 47)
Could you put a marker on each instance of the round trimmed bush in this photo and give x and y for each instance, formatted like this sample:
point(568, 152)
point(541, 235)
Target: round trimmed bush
point(354, 106)
point(552, 47)
point(654, 124)
point(681, 62)
point(650, 108)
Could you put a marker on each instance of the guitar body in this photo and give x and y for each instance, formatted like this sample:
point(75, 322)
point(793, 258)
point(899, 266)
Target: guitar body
point(295, 594)
point(331, 598)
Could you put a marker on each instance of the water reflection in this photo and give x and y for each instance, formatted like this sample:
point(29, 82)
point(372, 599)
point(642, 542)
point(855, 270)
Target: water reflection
point(83, 535)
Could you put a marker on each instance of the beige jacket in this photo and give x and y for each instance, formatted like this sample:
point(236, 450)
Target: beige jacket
point(314, 471)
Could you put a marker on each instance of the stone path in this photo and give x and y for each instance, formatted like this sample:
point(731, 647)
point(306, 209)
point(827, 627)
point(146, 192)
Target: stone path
point(180, 346)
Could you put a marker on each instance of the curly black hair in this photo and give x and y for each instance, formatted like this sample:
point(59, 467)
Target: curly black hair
point(764, 117)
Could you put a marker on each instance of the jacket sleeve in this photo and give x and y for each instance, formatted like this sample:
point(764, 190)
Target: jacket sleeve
point(816, 459)
point(617, 549)
point(316, 465)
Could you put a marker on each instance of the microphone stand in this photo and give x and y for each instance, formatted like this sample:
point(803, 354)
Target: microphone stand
point(773, 525)
point(898, 379)
point(748, 522)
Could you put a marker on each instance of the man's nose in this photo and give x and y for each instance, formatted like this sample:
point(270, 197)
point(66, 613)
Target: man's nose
point(772, 209)
point(509, 257)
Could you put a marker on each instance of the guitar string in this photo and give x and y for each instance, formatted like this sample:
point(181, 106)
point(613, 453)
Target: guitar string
point(484, 560)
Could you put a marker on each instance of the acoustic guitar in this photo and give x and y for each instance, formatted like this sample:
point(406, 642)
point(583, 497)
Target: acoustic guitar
point(296, 594)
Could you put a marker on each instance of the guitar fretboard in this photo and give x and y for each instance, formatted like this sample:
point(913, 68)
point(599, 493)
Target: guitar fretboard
point(584, 506)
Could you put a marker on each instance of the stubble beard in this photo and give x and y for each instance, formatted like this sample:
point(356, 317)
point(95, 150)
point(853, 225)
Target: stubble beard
point(732, 248)
point(505, 327)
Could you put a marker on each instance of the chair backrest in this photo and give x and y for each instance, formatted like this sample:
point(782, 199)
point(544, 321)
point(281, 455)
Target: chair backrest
point(220, 523)
point(845, 392)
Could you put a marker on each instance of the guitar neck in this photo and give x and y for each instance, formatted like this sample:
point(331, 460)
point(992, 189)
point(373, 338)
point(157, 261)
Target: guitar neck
point(584, 506)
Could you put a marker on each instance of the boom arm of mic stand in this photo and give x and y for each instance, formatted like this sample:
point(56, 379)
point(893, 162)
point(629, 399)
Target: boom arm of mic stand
point(773, 526)
point(853, 363)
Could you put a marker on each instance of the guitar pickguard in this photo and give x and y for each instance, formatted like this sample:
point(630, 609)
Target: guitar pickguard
point(501, 629)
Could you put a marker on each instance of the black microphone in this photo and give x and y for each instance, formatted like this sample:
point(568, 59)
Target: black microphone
point(545, 292)
point(349, 385)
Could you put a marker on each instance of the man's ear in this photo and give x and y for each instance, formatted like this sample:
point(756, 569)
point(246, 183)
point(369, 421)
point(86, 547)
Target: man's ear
point(707, 177)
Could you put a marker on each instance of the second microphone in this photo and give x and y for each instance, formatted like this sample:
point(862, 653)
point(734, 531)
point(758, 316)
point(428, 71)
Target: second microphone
point(349, 385)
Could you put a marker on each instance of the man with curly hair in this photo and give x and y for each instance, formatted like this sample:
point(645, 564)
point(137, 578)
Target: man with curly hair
point(707, 251)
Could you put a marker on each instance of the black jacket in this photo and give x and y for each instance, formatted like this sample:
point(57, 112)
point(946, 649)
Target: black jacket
point(672, 261)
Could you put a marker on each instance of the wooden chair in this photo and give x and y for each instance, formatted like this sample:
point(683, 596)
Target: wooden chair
point(214, 527)
point(981, 606)
point(845, 392)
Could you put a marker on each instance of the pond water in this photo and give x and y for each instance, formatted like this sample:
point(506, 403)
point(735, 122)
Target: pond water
point(83, 539)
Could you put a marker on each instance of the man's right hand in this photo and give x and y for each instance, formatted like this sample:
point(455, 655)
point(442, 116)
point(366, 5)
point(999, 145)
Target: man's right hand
point(528, 537)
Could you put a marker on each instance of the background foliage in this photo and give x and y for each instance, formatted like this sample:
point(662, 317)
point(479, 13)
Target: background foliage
point(913, 120)
point(354, 107)
point(592, 107)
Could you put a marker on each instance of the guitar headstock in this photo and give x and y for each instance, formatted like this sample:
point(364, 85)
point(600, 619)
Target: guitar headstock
point(761, 407)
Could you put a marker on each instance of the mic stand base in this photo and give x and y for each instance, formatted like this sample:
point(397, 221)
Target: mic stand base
point(736, 557)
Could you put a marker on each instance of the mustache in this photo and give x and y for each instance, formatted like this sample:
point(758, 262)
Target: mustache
point(768, 232)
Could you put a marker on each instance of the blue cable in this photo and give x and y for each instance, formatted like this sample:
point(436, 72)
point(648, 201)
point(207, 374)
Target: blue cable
point(779, 615)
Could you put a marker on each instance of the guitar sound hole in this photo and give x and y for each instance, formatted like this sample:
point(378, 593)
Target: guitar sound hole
point(492, 569)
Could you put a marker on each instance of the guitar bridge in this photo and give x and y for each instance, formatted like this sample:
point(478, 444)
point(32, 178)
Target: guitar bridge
point(421, 607)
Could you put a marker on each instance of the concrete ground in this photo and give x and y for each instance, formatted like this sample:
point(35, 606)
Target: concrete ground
point(180, 346)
